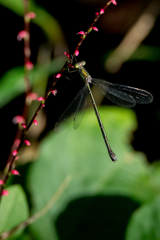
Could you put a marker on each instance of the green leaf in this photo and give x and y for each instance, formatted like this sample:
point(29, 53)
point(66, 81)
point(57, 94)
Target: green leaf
point(146, 53)
point(142, 53)
point(13, 209)
point(12, 82)
point(83, 155)
point(144, 223)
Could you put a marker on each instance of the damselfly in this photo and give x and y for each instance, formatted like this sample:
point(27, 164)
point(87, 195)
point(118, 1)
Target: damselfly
point(121, 95)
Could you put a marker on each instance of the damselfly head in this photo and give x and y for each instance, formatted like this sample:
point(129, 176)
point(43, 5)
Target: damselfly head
point(80, 64)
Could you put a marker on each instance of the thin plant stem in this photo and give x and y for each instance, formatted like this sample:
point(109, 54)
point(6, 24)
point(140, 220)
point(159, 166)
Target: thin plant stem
point(27, 53)
point(90, 28)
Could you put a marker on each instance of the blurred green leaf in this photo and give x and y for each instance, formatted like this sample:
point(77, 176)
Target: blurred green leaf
point(142, 53)
point(12, 82)
point(145, 222)
point(147, 53)
point(83, 155)
point(13, 210)
point(43, 19)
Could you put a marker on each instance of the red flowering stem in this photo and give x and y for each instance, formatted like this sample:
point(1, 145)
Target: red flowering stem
point(90, 28)
point(27, 50)
point(41, 105)
point(27, 53)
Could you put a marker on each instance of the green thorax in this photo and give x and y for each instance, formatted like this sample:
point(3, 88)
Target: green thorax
point(83, 72)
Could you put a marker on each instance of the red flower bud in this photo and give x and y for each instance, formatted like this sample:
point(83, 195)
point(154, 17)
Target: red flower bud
point(18, 119)
point(14, 153)
point(95, 29)
point(1, 182)
point(58, 75)
point(27, 142)
point(40, 99)
point(114, 2)
point(29, 65)
point(67, 54)
point(54, 92)
point(23, 125)
point(102, 11)
point(5, 192)
point(15, 172)
point(81, 32)
point(76, 52)
point(22, 34)
point(35, 122)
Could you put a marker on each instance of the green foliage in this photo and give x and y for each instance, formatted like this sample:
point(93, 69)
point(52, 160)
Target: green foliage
point(144, 223)
point(12, 82)
point(142, 53)
point(146, 53)
point(13, 210)
point(83, 155)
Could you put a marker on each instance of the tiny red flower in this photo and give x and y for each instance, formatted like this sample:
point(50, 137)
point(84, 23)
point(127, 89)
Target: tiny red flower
point(58, 75)
point(18, 119)
point(102, 11)
point(54, 92)
point(5, 192)
point(15, 172)
point(31, 15)
point(40, 99)
point(114, 2)
point(76, 52)
point(27, 142)
point(35, 122)
point(43, 105)
point(81, 32)
point(67, 54)
point(22, 34)
point(96, 13)
point(23, 125)
point(95, 29)
point(1, 182)
point(14, 153)
point(29, 65)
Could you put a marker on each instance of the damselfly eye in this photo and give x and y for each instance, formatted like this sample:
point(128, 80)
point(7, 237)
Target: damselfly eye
point(76, 65)
point(80, 64)
point(83, 63)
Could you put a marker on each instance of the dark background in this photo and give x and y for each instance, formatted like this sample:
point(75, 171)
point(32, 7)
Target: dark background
point(85, 215)
point(75, 16)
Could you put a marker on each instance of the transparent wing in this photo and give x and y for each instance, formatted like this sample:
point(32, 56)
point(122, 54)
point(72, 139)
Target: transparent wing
point(124, 96)
point(74, 107)
point(81, 107)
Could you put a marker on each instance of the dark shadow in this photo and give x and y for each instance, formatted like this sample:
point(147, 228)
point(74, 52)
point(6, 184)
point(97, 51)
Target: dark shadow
point(95, 218)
